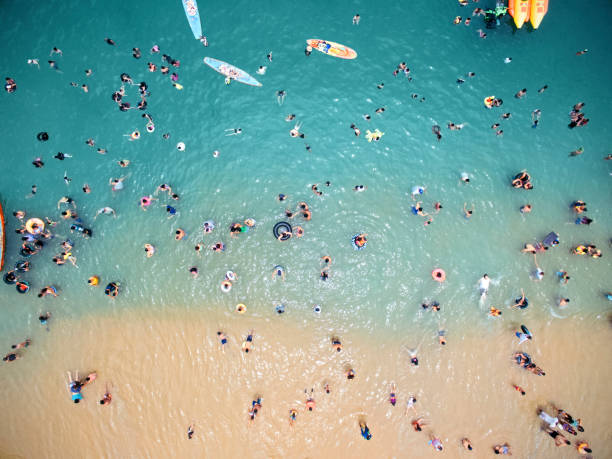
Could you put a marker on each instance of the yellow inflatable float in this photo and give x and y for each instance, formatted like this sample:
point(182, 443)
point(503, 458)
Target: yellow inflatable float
point(376, 135)
point(35, 226)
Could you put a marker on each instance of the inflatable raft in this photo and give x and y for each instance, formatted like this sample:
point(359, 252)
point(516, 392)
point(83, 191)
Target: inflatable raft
point(539, 8)
point(519, 10)
point(527, 10)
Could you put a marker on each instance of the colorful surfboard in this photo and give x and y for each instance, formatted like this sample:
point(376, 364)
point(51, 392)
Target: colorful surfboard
point(231, 72)
point(332, 49)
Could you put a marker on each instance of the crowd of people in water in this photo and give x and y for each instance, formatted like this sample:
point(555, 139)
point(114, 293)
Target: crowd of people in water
point(36, 234)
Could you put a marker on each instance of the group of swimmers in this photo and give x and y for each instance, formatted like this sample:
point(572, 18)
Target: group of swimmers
point(521, 180)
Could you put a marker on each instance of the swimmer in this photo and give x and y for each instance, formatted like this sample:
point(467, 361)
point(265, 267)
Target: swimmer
point(262, 70)
point(292, 416)
point(295, 132)
point(483, 285)
point(543, 88)
point(116, 183)
point(467, 444)
point(336, 344)
point(356, 130)
point(436, 443)
point(356, 19)
point(538, 274)
point(269, 56)
point(248, 342)
point(502, 449)
point(560, 440)
point(563, 302)
point(86, 189)
point(194, 272)
point(308, 50)
point(525, 209)
point(171, 211)
point(410, 405)
point(105, 211)
point(299, 231)
point(521, 93)
point(414, 360)
point(577, 152)
point(233, 131)
point(326, 260)
point(360, 188)
point(506, 116)
point(66, 200)
point(437, 206)
point(198, 248)
point(149, 250)
point(521, 302)
point(48, 290)
point(535, 118)
point(468, 212)
point(494, 312)
point(350, 374)
point(392, 397)
point(123, 163)
point(465, 178)
point(519, 389)
point(22, 345)
point(34, 62)
point(563, 277)
point(418, 424)
point(315, 189)
point(109, 41)
point(146, 201)
point(222, 340)
point(310, 401)
point(44, 318)
point(365, 430)
point(324, 274)
point(442, 337)
point(218, 247)
point(61, 156)
point(179, 234)
point(280, 96)
point(11, 357)
point(67, 179)
point(580, 53)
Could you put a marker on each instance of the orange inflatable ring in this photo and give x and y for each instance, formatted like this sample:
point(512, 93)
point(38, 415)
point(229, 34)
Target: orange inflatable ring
point(438, 275)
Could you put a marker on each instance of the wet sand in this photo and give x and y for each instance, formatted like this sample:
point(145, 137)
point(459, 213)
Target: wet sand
point(166, 370)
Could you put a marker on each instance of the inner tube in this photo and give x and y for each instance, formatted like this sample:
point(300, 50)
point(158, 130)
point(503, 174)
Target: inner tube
point(27, 251)
point(241, 308)
point(525, 303)
point(23, 287)
point(35, 226)
point(42, 136)
point(22, 266)
point(208, 226)
point(358, 247)
point(10, 278)
point(281, 227)
point(488, 101)
point(93, 280)
point(112, 289)
point(226, 286)
point(438, 275)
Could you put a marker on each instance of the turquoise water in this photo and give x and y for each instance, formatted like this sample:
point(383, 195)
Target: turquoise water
point(378, 288)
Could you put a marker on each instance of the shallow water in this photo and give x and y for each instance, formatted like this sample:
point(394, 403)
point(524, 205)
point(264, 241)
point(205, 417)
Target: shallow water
point(374, 294)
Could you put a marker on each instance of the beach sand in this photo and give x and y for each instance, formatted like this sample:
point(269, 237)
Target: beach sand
point(166, 370)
